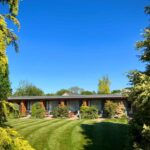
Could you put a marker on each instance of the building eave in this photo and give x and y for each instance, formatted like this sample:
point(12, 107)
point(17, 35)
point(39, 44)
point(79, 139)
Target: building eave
point(103, 96)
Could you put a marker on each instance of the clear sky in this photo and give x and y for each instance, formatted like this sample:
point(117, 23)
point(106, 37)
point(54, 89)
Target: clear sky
point(66, 43)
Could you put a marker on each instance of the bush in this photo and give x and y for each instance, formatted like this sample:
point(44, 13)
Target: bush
point(120, 110)
point(10, 140)
point(60, 112)
point(14, 113)
point(37, 110)
point(89, 112)
point(110, 109)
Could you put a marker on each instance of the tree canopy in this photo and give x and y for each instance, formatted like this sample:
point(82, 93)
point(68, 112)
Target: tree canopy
point(62, 92)
point(104, 85)
point(86, 92)
point(144, 45)
point(76, 90)
point(7, 37)
point(28, 89)
point(140, 95)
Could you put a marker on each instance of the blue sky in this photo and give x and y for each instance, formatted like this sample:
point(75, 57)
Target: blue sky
point(67, 43)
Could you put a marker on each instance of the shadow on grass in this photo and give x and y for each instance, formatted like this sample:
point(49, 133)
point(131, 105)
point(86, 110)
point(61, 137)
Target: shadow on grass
point(106, 136)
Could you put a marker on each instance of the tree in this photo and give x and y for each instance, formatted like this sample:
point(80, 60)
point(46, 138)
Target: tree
point(104, 85)
point(62, 92)
point(5, 89)
point(87, 92)
point(116, 92)
point(7, 37)
point(28, 89)
point(10, 140)
point(140, 98)
point(140, 95)
point(76, 90)
point(144, 45)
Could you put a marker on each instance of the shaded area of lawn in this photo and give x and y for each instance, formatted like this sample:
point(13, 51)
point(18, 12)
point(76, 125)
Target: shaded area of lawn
point(106, 136)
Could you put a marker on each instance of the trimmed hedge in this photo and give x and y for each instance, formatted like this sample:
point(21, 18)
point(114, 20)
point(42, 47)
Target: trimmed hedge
point(37, 110)
point(60, 112)
point(87, 112)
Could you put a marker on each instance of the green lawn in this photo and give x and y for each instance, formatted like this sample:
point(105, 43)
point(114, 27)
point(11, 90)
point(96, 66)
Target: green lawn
point(63, 134)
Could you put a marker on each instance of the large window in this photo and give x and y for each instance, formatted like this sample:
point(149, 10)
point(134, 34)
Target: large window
point(97, 103)
point(73, 105)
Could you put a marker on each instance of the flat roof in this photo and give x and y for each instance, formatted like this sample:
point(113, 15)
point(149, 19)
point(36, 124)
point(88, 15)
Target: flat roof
point(101, 96)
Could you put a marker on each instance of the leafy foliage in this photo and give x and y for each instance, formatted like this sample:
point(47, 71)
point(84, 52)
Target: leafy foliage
point(75, 90)
point(5, 89)
point(140, 98)
point(104, 85)
point(60, 112)
point(62, 92)
point(27, 89)
point(140, 95)
point(110, 108)
point(15, 113)
point(87, 93)
point(11, 140)
point(89, 112)
point(13, 6)
point(144, 45)
point(120, 110)
point(37, 110)
point(5, 109)
point(7, 37)
point(116, 92)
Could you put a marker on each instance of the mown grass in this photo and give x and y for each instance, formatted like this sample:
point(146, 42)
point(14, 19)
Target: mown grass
point(63, 134)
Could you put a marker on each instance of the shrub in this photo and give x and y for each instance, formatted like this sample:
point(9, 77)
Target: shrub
point(15, 113)
point(120, 110)
point(60, 112)
point(89, 112)
point(110, 109)
point(37, 110)
point(10, 140)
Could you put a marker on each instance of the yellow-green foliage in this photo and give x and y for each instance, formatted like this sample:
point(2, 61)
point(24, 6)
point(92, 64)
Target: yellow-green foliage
point(104, 85)
point(13, 6)
point(7, 37)
point(11, 140)
point(89, 112)
point(110, 108)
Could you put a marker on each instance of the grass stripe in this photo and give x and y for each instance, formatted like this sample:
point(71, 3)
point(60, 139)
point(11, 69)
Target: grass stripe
point(32, 129)
point(78, 138)
point(60, 138)
point(18, 123)
point(44, 132)
point(28, 124)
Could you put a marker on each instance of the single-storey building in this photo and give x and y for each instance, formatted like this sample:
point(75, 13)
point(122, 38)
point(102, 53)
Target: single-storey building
point(72, 101)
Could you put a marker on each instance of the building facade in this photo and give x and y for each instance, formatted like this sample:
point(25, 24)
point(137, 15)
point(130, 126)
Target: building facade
point(74, 102)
